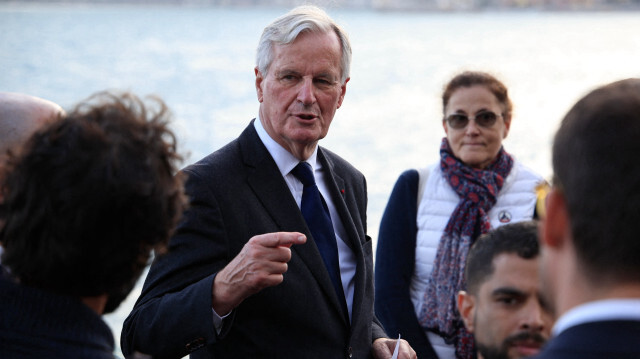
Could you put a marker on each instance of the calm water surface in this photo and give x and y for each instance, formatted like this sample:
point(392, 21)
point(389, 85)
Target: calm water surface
point(200, 60)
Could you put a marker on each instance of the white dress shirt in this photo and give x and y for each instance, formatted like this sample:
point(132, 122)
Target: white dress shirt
point(609, 309)
point(287, 162)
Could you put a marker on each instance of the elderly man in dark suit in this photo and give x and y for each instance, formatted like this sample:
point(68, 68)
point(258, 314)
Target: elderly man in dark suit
point(590, 242)
point(272, 260)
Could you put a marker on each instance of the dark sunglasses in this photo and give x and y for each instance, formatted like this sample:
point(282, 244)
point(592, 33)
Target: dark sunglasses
point(483, 119)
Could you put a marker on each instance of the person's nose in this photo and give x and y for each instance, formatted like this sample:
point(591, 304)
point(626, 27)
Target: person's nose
point(306, 92)
point(472, 128)
point(533, 318)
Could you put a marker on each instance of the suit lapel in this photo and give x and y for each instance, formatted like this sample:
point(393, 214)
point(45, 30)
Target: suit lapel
point(336, 186)
point(271, 190)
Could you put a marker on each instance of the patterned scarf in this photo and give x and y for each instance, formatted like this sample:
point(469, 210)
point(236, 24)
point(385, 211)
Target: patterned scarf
point(478, 190)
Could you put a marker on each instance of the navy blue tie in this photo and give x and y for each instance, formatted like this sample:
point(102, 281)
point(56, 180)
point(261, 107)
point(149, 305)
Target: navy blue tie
point(316, 214)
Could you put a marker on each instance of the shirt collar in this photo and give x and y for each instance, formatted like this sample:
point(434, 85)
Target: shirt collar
point(610, 309)
point(283, 158)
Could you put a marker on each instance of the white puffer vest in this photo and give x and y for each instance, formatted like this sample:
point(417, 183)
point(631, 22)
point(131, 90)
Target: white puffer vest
point(516, 202)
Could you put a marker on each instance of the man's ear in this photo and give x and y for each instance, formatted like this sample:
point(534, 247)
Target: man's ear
point(466, 307)
point(343, 91)
point(555, 226)
point(259, 80)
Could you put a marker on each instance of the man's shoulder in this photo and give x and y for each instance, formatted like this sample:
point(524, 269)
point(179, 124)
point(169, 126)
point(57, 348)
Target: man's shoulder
point(598, 339)
point(610, 328)
point(339, 164)
point(229, 155)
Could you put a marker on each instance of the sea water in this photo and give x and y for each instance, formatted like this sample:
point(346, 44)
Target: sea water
point(200, 60)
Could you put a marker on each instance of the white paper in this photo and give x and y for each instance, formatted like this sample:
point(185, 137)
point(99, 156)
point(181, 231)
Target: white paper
point(395, 351)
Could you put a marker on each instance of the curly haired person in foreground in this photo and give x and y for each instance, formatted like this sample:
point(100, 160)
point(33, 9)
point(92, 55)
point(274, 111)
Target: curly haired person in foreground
point(87, 200)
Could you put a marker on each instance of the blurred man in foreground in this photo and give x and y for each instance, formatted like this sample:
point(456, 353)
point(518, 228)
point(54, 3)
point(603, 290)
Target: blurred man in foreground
point(87, 200)
point(589, 240)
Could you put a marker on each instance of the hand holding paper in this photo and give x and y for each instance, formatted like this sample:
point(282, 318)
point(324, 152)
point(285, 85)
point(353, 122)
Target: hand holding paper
point(395, 351)
point(385, 348)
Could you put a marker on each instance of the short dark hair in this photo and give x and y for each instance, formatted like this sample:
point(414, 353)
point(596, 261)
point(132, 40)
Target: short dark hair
point(91, 196)
point(520, 238)
point(477, 78)
point(596, 166)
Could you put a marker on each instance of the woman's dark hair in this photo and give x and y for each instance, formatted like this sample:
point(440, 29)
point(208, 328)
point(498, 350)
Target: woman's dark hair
point(91, 195)
point(474, 78)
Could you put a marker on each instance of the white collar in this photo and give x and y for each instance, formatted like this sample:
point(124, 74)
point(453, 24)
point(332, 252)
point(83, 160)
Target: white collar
point(609, 309)
point(283, 158)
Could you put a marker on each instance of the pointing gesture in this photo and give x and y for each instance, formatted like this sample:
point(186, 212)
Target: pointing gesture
point(260, 264)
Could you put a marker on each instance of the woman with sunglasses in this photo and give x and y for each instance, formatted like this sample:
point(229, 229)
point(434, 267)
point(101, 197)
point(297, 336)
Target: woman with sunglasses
point(434, 214)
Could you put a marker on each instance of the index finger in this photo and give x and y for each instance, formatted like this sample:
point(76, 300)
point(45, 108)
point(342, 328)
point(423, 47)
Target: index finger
point(280, 239)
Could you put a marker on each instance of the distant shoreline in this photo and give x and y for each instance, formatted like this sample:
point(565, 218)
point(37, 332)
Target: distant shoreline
point(434, 6)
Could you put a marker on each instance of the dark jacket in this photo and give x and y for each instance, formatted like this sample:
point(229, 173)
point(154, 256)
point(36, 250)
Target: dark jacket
point(39, 324)
point(611, 339)
point(236, 193)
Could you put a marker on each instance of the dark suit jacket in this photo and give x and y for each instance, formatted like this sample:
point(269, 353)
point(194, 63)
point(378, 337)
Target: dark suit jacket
point(238, 192)
point(614, 339)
